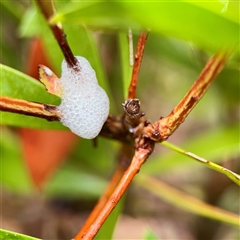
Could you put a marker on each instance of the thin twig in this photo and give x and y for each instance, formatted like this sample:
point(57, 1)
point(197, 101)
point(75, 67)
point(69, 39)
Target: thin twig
point(141, 154)
point(101, 203)
point(40, 110)
point(48, 9)
point(137, 64)
point(122, 166)
point(163, 128)
point(112, 128)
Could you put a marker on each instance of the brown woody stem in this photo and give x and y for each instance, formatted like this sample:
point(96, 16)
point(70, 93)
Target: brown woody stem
point(40, 110)
point(163, 128)
point(48, 9)
point(112, 128)
point(140, 156)
point(137, 64)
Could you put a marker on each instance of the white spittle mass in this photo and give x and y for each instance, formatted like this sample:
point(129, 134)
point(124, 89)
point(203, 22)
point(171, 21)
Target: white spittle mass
point(85, 105)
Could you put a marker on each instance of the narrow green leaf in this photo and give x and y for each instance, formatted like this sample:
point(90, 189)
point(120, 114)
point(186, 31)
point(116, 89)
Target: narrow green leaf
point(14, 8)
point(219, 142)
point(205, 25)
point(233, 176)
point(16, 84)
point(29, 24)
point(101, 154)
point(229, 9)
point(7, 235)
point(108, 227)
point(184, 201)
point(150, 235)
point(125, 63)
point(189, 22)
point(72, 183)
point(93, 14)
point(14, 175)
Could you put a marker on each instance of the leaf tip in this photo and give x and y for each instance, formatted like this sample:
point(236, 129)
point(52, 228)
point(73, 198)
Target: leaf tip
point(48, 78)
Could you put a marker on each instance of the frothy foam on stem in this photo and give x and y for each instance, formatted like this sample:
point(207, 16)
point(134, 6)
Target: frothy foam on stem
point(85, 105)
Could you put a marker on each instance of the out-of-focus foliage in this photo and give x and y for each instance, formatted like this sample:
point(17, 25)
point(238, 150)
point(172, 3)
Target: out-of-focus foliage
point(18, 85)
point(6, 235)
point(172, 161)
point(209, 25)
point(14, 175)
point(183, 35)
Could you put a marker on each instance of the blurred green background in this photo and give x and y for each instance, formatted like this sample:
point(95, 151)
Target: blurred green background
point(183, 36)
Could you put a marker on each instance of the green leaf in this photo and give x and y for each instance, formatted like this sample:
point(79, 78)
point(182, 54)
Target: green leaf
point(219, 142)
point(101, 154)
point(7, 235)
point(29, 24)
point(72, 183)
point(14, 175)
point(18, 85)
point(233, 176)
point(11, 12)
point(176, 51)
point(85, 178)
point(125, 61)
point(14, 8)
point(201, 23)
point(93, 14)
point(108, 227)
point(150, 235)
point(185, 201)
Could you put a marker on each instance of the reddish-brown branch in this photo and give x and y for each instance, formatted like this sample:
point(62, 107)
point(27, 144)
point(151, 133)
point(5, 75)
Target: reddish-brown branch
point(137, 64)
point(40, 110)
point(123, 164)
point(141, 154)
point(163, 128)
point(101, 203)
point(47, 8)
point(112, 128)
